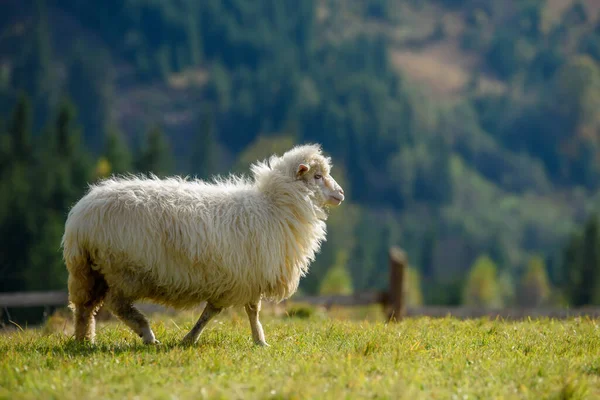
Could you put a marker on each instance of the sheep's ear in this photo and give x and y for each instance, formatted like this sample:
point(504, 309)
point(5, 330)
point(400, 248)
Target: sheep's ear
point(302, 169)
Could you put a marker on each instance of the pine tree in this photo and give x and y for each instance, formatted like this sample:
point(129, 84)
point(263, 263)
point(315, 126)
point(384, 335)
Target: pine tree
point(507, 287)
point(4, 149)
point(571, 268)
point(591, 262)
point(414, 295)
point(71, 169)
point(20, 131)
point(155, 156)
point(46, 270)
point(194, 39)
point(204, 152)
point(574, 101)
point(534, 289)
point(379, 275)
point(582, 261)
point(17, 227)
point(363, 263)
point(337, 280)
point(482, 289)
point(62, 175)
point(427, 249)
point(442, 191)
point(117, 152)
point(66, 140)
point(89, 85)
point(33, 70)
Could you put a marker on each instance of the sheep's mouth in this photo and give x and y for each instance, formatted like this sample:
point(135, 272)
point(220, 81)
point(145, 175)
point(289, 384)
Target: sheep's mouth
point(335, 201)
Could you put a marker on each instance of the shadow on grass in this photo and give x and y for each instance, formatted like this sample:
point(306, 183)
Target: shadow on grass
point(67, 346)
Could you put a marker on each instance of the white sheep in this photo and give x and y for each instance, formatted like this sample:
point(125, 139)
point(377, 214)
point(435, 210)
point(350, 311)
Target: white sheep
point(180, 242)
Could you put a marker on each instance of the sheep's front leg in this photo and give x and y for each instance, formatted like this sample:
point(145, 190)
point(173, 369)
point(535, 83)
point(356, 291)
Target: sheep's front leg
point(252, 309)
point(209, 312)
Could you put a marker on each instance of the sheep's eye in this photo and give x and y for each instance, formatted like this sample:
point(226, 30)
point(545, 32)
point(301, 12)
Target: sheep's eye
point(318, 176)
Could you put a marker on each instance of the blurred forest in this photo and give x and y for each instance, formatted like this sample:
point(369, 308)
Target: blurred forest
point(465, 131)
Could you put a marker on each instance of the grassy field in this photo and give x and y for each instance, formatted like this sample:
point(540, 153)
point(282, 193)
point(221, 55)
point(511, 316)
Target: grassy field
point(315, 357)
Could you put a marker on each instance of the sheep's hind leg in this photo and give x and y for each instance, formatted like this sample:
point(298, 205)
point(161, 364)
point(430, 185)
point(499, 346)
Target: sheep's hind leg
point(209, 312)
point(258, 335)
point(124, 309)
point(86, 293)
point(85, 320)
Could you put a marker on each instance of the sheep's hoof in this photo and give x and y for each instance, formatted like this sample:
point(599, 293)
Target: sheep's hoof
point(188, 341)
point(150, 340)
point(262, 344)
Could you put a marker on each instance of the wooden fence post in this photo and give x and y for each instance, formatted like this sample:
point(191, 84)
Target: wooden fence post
point(397, 288)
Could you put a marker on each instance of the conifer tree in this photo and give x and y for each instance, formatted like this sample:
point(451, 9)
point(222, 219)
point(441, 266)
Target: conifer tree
point(203, 157)
point(117, 152)
point(61, 177)
point(482, 289)
point(582, 263)
point(46, 270)
point(427, 249)
point(155, 156)
point(194, 41)
point(534, 288)
point(72, 165)
point(414, 295)
point(4, 149)
point(20, 131)
point(379, 275)
point(16, 213)
point(590, 272)
point(89, 85)
point(33, 69)
point(337, 280)
point(363, 262)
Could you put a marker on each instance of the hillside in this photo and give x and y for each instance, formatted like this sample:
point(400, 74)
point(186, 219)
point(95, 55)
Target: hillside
point(459, 127)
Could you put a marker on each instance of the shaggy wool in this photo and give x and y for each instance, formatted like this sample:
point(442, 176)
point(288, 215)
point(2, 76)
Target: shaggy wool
point(181, 241)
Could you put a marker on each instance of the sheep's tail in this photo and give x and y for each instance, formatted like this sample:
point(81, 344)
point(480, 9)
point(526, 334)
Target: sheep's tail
point(83, 280)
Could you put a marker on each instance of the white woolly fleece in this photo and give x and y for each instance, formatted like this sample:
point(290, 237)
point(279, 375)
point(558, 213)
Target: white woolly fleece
point(180, 242)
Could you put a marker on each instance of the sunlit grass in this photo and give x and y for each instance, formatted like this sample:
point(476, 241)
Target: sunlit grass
point(315, 357)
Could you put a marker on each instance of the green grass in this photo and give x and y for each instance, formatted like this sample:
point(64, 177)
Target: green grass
point(316, 357)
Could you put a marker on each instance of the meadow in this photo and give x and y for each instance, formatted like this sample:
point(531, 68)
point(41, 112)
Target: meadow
point(311, 355)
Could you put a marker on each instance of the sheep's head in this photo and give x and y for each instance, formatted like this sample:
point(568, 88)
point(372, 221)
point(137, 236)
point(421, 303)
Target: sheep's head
point(317, 177)
point(309, 166)
point(303, 165)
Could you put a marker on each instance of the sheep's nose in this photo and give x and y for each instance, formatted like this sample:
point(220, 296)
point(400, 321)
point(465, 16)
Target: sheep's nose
point(341, 191)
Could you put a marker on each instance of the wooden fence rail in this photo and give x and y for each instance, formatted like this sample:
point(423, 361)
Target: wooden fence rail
point(33, 299)
point(392, 301)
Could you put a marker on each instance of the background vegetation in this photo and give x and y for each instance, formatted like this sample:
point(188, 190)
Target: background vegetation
point(466, 131)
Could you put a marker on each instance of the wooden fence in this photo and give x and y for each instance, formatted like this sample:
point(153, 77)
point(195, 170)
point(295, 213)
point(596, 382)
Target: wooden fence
point(392, 301)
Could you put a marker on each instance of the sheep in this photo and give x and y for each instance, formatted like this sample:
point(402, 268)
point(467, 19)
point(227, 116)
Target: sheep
point(180, 241)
